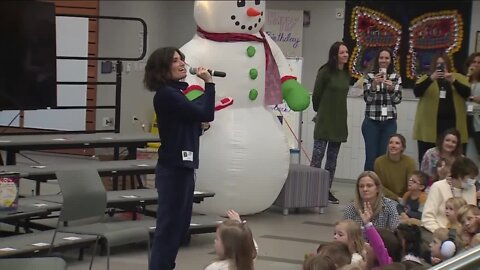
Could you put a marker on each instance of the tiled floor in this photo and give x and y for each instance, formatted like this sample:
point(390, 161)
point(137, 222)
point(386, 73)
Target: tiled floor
point(283, 240)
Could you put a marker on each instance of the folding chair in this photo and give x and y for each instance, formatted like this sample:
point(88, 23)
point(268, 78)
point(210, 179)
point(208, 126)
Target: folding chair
point(85, 199)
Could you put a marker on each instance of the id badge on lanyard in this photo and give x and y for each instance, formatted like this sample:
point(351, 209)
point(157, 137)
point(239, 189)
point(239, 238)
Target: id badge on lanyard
point(443, 93)
point(470, 108)
point(384, 110)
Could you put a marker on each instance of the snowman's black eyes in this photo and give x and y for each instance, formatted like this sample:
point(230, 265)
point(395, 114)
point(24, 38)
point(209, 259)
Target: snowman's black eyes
point(257, 2)
point(241, 3)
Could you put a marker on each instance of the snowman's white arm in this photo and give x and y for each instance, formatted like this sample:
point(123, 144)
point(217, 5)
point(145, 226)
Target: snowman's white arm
point(192, 52)
point(283, 66)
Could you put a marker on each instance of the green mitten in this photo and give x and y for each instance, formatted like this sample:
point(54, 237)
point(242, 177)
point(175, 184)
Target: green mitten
point(296, 96)
point(193, 92)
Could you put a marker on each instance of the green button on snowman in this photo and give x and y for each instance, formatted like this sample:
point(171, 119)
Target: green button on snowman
point(244, 157)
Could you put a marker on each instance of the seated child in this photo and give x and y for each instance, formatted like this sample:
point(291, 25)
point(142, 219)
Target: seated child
point(349, 232)
point(319, 262)
point(452, 205)
point(233, 215)
point(467, 216)
point(234, 247)
point(337, 251)
point(440, 248)
point(414, 199)
point(443, 171)
point(392, 244)
point(410, 240)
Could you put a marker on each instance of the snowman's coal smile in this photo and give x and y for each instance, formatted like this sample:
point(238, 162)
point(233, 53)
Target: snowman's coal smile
point(243, 26)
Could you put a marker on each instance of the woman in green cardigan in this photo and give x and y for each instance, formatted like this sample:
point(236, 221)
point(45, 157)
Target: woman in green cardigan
point(442, 104)
point(329, 100)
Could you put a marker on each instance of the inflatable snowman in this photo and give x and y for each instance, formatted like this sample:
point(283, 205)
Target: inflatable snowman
point(244, 156)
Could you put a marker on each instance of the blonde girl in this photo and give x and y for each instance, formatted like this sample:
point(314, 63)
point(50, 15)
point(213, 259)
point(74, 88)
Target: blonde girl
point(452, 205)
point(349, 232)
point(469, 226)
point(234, 247)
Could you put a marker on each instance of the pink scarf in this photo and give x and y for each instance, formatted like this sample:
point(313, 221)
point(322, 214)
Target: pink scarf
point(273, 91)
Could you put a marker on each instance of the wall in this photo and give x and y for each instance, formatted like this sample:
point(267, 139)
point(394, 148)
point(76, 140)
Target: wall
point(122, 39)
point(474, 25)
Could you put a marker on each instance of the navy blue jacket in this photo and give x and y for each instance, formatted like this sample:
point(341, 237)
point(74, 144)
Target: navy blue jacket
point(179, 123)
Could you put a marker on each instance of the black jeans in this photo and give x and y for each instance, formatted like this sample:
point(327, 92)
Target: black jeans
point(175, 187)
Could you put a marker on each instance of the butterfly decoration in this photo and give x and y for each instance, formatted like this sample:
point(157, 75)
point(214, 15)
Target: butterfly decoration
point(433, 33)
point(372, 30)
point(428, 34)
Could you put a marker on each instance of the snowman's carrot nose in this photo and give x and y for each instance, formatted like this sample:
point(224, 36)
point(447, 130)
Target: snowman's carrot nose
point(252, 12)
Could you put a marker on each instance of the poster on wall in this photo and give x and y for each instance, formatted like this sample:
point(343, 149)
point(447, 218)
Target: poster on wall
point(285, 27)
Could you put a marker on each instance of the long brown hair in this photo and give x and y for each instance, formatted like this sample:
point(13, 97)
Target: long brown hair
point(470, 59)
point(378, 204)
point(390, 68)
point(452, 131)
point(332, 63)
point(238, 244)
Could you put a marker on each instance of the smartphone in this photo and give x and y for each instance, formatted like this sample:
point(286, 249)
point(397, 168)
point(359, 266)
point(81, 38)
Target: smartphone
point(441, 67)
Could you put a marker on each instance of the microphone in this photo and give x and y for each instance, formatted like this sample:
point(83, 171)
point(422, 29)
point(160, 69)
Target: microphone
point(214, 73)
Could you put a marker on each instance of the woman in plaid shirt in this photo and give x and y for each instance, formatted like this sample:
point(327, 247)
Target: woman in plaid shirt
point(382, 92)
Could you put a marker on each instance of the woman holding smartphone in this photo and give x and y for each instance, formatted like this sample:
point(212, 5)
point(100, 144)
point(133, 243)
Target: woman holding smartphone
point(441, 105)
point(382, 92)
